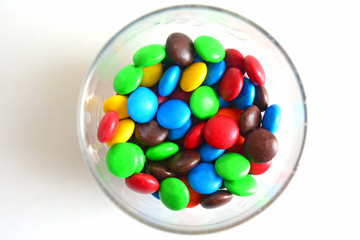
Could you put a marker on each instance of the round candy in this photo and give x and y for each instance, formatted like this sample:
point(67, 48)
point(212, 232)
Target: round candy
point(195, 137)
point(250, 120)
point(127, 79)
point(261, 98)
point(193, 76)
point(195, 197)
point(246, 96)
point(177, 133)
point(223, 103)
point(209, 49)
point(184, 161)
point(151, 75)
point(162, 151)
point(142, 105)
point(259, 168)
point(141, 157)
point(149, 55)
point(233, 58)
point(214, 72)
point(209, 153)
point(180, 49)
point(108, 126)
point(204, 102)
point(158, 170)
point(254, 70)
point(169, 80)
point(173, 113)
point(204, 179)
point(142, 183)
point(243, 187)
point(216, 199)
point(150, 133)
point(260, 146)
point(272, 118)
point(116, 103)
point(221, 132)
point(232, 166)
point(230, 112)
point(231, 84)
point(123, 133)
point(174, 194)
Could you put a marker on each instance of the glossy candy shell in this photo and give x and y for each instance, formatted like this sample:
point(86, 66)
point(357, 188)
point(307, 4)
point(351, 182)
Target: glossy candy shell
point(142, 105)
point(108, 126)
point(174, 194)
point(204, 179)
point(142, 183)
point(149, 55)
point(173, 114)
point(127, 79)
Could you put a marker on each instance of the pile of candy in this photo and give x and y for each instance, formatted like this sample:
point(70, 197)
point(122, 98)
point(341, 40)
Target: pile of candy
point(190, 123)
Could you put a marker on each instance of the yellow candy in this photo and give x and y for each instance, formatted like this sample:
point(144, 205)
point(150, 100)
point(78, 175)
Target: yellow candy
point(118, 104)
point(151, 75)
point(193, 76)
point(123, 133)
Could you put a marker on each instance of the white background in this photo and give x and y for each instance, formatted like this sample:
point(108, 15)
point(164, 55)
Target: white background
point(46, 48)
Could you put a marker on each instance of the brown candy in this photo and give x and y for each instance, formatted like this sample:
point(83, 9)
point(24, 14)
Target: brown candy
point(261, 98)
point(180, 49)
point(158, 171)
point(250, 119)
point(150, 133)
point(184, 161)
point(260, 146)
point(216, 199)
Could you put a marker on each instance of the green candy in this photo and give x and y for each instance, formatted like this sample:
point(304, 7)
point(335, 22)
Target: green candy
point(127, 79)
point(149, 55)
point(232, 166)
point(204, 102)
point(209, 49)
point(124, 159)
point(174, 194)
point(141, 157)
point(243, 187)
point(162, 151)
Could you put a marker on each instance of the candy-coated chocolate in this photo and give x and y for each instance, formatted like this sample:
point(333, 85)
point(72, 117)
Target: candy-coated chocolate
point(193, 76)
point(158, 170)
point(243, 187)
point(173, 114)
point(260, 145)
point(123, 133)
point(127, 79)
point(108, 126)
point(195, 137)
point(272, 118)
point(232, 166)
point(162, 151)
point(250, 120)
point(230, 112)
point(116, 103)
point(169, 80)
point(216, 199)
point(204, 102)
point(151, 75)
point(150, 133)
point(195, 197)
point(156, 194)
point(142, 105)
point(254, 70)
point(209, 49)
point(184, 161)
point(238, 147)
point(141, 157)
point(174, 194)
point(204, 179)
point(261, 98)
point(223, 103)
point(214, 72)
point(259, 168)
point(149, 55)
point(177, 133)
point(178, 93)
point(142, 183)
point(209, 153)
point(233, 58)
point(247, 95)
point(221, 132)
point(231, 84)
point(180, 48)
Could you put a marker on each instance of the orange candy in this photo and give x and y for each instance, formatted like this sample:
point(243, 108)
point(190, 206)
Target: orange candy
point(230, 112)
point(195, 197)
point(238, 147)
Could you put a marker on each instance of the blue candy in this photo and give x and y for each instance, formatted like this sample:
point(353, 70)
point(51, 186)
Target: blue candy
point(223, 103)
point(173, 114)
point(177, 133)
point(169, 80)
point(246, 96)
point(204, 179)
point(272, 118)
point(142, 105)
point(156, 194)
point(209, 153)
point(214, 72)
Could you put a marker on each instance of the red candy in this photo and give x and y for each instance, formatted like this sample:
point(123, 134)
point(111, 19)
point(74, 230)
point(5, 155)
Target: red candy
point(221, 132)
point(142, 183)
point(178, 93)
point(195, 137)
point(238, 147)
point(254, 70)
point(108, 126)
point(195, 197)
point(259, 168)
point(233, 58)
point(231, 84)
point(230, 112)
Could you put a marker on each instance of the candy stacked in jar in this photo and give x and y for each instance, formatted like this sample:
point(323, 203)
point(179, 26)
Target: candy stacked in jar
point(190, 123)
